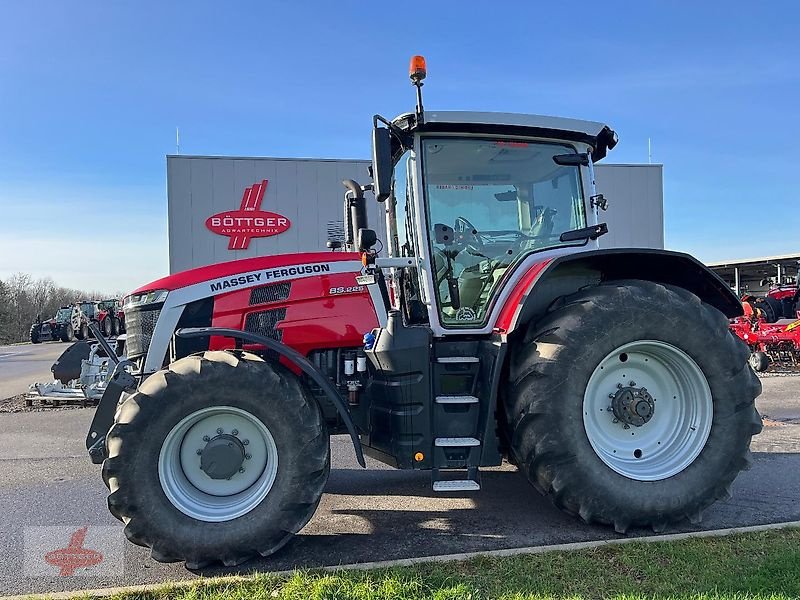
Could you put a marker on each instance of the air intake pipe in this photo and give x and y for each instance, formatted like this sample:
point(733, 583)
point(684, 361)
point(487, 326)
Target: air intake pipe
point(355, 212)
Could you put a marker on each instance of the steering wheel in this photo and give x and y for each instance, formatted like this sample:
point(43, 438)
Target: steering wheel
point(467, 234)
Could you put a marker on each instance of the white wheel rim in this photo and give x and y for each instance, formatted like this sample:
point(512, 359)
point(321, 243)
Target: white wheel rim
point(196, 494)
point(682, 414)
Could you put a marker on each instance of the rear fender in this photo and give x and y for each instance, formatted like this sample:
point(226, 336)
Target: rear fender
point(567, 274)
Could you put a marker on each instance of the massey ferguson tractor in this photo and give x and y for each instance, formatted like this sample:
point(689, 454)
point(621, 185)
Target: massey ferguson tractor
point(493, 328)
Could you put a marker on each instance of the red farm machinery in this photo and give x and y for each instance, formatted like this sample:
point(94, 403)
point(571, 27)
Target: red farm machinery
point(764, 328)
point(492, 328)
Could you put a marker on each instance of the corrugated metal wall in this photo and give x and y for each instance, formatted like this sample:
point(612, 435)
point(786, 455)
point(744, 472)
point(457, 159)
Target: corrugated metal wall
point(310, 194)
point(635, 214)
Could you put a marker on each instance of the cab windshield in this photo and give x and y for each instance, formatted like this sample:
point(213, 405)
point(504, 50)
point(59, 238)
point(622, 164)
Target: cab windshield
point(63, 314)
point(491, 203)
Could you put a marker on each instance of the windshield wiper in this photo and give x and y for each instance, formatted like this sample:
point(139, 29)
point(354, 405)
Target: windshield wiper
point(585, 233)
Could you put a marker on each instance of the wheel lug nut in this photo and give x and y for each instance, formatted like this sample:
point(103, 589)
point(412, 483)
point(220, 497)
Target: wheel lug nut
point(206, 438)
point(199, 452)
point(619, 386)
point(611, 396)
point(219, 430)
point(633, 383)
point(245, 442)
point(241, 469)
point(235, 432)
point(248, 456)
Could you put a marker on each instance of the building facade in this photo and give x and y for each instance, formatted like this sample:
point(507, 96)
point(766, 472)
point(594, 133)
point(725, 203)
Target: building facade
point(226, 208)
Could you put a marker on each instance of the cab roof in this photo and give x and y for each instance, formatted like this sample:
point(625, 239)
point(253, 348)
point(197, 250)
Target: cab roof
point(598, 135)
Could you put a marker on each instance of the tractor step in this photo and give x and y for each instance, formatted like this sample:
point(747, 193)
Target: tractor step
point(456, 400)
point(449, 360)
point(456, 485)
point(456, 442)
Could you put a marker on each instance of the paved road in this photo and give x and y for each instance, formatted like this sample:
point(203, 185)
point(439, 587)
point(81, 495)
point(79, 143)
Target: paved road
point(23, 364)
point(46, 479)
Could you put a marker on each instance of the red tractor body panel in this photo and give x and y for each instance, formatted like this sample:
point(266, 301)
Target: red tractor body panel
point(328, 311)
point(509, 313)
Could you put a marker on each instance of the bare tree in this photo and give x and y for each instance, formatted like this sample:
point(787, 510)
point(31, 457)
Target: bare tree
point(23, 300)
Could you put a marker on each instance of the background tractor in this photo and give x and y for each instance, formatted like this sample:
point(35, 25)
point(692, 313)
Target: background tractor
point(493, 329)
point(68, 324)
point(110, 318)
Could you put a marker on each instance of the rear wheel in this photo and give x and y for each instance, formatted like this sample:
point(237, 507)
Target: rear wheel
point(35, 330)
point(218, 458)
point(115, 326)
point(107, 327)
point(627, 412)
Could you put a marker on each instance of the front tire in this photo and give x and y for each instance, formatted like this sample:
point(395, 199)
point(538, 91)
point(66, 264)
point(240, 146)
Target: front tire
point(647, 452)
point(35, 334)
point(67, 334)
point(175, 500)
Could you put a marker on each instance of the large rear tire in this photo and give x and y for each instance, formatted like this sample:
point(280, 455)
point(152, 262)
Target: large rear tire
point(171, 469)
point(107, 327)
point(631, 404)
point(35, 330)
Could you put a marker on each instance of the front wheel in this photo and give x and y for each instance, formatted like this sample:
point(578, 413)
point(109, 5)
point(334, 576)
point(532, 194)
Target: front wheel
point(218, 458)
point(631, 404)
point(67, 334)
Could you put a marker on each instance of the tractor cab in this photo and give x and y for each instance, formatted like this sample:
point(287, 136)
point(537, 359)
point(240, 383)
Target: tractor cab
point(471, 197)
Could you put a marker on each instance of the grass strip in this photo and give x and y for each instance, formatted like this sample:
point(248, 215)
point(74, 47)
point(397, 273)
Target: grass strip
point(764, 565)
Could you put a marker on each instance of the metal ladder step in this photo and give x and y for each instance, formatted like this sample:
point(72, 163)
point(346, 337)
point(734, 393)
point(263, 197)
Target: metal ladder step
point(457, 359)
point(456, 442)
point(456, 400)
point(456, 485)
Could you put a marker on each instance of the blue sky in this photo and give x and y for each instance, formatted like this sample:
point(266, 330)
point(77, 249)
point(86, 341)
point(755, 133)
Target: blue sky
point(91, 93)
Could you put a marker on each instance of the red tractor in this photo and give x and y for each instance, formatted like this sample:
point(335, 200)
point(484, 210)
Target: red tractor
point(782, 301)
point(110, 318)
point(494, 329)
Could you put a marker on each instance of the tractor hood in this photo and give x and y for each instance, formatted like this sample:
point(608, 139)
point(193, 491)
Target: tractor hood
point(246, 265)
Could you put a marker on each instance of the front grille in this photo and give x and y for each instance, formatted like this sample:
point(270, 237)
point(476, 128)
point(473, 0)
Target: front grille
point(263, 323)
point(274, 292)
point(139, 326)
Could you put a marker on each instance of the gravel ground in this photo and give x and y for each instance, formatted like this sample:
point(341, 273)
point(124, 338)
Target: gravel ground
point(16, 404)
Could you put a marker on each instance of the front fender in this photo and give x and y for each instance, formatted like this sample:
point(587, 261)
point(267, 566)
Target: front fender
point(298, 359)
point(567, 274)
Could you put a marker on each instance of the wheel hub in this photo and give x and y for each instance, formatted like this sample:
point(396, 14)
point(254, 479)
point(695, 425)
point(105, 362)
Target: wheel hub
point(222, 456)
point(633, 406)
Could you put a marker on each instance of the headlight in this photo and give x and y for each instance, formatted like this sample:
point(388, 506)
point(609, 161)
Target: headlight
point(136, 300)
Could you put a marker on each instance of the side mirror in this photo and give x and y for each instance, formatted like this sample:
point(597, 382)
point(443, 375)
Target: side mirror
point(572, 160)
point(367, 238)
point(381, 163)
